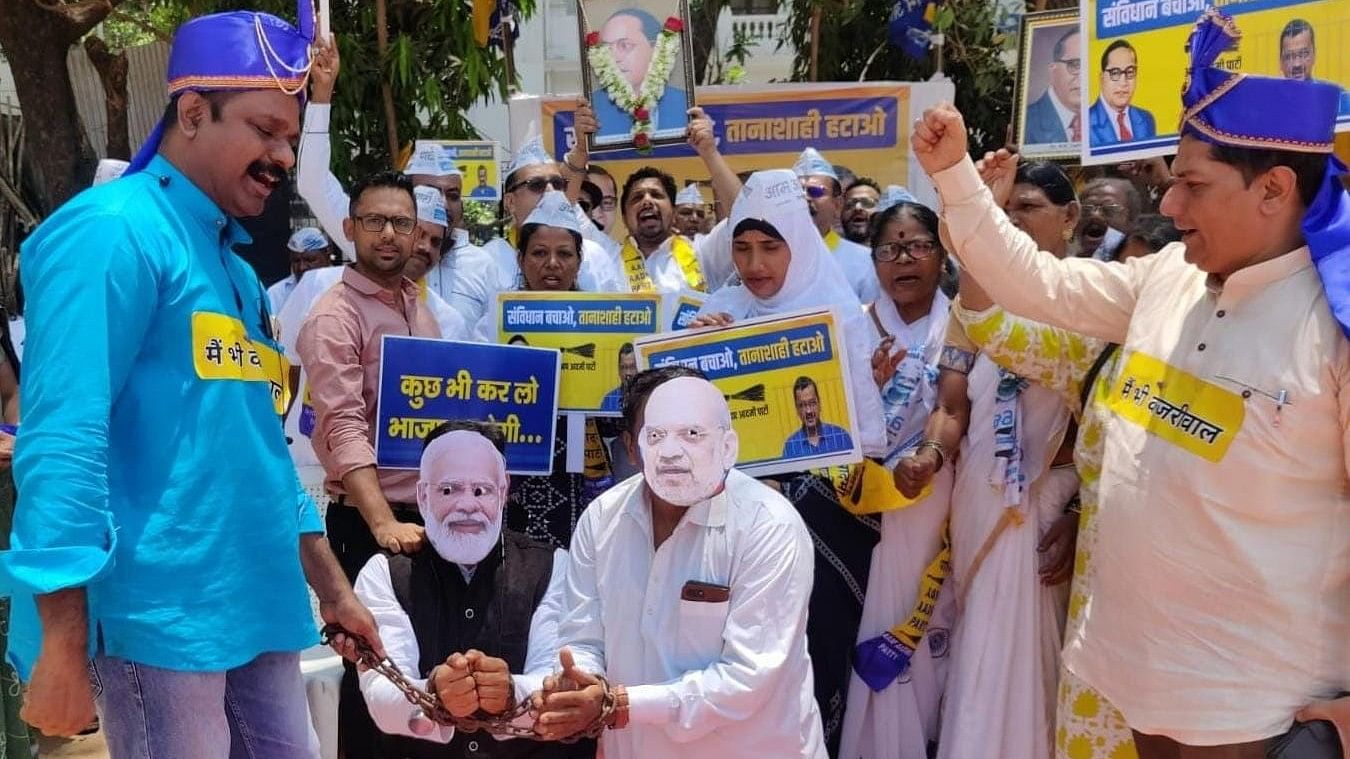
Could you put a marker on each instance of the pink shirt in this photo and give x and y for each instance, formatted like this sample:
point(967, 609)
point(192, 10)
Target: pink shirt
point(339, 346)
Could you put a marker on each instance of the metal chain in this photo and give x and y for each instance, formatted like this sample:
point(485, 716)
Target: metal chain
point(431, 708)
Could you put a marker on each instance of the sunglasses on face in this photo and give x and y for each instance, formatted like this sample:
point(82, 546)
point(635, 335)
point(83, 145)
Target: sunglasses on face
point(816, 192)
point(915, 249)
point(374, 222)
point(539, 184)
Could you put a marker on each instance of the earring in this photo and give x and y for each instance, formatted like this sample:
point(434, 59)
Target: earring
point(1068, 235)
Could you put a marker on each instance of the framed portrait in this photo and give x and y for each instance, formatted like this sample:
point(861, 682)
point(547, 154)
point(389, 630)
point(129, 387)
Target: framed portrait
point(637, 70)
point(1047, 104)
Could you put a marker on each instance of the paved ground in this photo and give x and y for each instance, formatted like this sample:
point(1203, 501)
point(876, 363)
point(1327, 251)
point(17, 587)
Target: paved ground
point(83, 747)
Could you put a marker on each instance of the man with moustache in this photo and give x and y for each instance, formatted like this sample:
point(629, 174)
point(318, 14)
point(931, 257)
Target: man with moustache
point(631, 35)
point(461, 618)
point(1224, 473)
point(1298, 55)
point(160, 523)
point(690, 212)
point(1109, 206)
point(340, 345)
point(824, 196)
point(860, 204)
point(463, 275)
point(308, 249)
point(686, 588)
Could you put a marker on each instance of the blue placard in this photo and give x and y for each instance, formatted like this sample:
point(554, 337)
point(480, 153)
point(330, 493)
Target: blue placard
point(424, 382)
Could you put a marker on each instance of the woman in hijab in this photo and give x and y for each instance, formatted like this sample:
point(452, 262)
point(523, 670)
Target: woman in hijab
point(1014, 483)
point(896, 690)
point(549, 258)
point(784, 266)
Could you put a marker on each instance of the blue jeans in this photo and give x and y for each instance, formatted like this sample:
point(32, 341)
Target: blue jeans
point(257, 711)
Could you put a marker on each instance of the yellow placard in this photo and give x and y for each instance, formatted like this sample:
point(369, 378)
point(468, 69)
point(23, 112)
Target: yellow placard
point(222, 350)
point(477, 161)
point(785, 379)
point(1158, 31)
point(594, 332)
point(1176, 406)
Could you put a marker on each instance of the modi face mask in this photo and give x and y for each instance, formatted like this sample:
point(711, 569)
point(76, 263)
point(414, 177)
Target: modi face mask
point(461, 494)
point(687, 442)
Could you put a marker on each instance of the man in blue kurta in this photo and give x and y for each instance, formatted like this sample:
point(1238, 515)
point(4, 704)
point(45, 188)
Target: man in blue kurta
point(161, 528)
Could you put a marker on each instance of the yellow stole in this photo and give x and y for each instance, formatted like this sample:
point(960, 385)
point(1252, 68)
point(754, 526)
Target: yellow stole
point(635, 265)
point(832, 240)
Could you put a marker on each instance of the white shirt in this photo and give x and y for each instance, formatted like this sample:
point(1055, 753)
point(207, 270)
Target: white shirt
point(388, 707)
point(1221, 596)
point(1113, 115)
point(713, 251)
point(279, 292)
point(321, 190)
point(466, 278)
point(859, 270)
point(599, 271)
point(705, 680)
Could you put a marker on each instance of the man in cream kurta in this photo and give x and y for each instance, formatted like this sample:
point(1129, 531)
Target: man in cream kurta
point(1221, 606)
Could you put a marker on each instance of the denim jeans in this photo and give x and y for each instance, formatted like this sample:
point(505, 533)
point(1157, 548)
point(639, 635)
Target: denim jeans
point(256, 711)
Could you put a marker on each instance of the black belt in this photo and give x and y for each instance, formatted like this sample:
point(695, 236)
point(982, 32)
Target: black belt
point(341, 500)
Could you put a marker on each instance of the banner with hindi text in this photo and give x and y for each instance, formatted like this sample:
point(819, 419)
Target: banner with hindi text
point(424, 382)
point(1131, 115)
point(786, 381)
point(590, 330)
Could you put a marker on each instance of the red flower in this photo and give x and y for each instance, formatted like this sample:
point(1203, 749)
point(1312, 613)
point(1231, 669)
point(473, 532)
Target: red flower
point(674, 24)
point(592, 39)
point(642, 140)
point(641, 113)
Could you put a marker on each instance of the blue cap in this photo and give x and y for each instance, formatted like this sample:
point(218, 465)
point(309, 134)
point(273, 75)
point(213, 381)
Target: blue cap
point(239, 50)
point(1243, 111)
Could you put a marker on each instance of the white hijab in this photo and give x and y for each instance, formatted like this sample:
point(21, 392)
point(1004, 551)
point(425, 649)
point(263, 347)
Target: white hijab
point(813, 280)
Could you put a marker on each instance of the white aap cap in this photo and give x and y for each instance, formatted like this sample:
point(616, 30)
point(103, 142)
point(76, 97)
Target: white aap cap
point(812, 163)
point(530, 153)
point(432, 159)
point(894, 196)
point(108, 170)
point(307, 238)
point(431, 205)
point(689, 196)
point(554, 211)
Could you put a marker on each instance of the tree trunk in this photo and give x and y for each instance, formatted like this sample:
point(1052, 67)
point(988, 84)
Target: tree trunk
point(35, 40)
point(815, 44)
point(386, 93)
point(112, 72)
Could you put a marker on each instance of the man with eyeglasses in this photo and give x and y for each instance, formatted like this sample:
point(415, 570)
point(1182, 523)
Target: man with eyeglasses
point(860, 204)
point(461, 618)
point(1109, 207)
point(340, 344)
point(1112, 119)
point(824, 197)
point(603, 213)
point(1298, 55)
point(1053, 117)
point(463, 278)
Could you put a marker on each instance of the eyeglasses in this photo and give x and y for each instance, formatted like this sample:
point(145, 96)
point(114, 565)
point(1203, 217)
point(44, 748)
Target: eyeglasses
point(539, 184)
point(915, 249)
point(816, 192)
point(1297, 56)
point(1106, 209)
point(1128, 73)
point(375, 222)
point(862, 202)
point(1074, 65)
point(457, 488)
point(609, 202)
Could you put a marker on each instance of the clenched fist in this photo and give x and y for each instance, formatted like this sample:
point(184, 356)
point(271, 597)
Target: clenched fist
point(915, 471)
point(940, 138)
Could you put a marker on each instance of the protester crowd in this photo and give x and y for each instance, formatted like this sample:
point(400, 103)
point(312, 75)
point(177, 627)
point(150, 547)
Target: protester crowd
point(1105, 426)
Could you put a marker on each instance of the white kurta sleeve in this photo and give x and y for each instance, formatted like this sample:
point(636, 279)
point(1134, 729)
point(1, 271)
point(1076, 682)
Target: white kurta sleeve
point(542, 658)
point(388, 708)
point(321, 190)
point(765, 629)
point(1094, 298)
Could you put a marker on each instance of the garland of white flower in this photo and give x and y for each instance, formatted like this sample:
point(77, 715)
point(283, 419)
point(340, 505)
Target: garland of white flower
point(637, 104)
